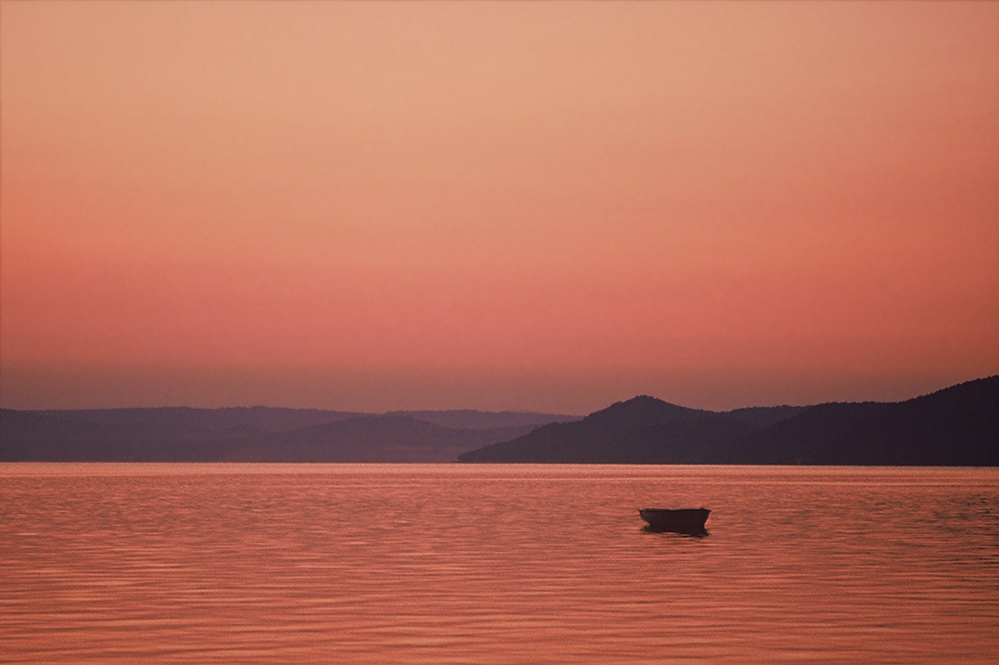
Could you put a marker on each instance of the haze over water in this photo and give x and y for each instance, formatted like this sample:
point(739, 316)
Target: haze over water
point(495, 564)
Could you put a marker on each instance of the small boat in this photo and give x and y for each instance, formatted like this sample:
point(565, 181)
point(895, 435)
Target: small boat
point(683, 520)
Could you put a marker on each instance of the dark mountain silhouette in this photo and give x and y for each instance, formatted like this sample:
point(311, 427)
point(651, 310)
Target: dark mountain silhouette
point(643, 430)
point(265, 419)
point(764, 416)
point(274, 419)
point(471, 419)
point(795, 440)
point(955, 426)
point(394, 438)
point(257, 434)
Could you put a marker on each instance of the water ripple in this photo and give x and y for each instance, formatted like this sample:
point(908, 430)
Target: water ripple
point(457, 564)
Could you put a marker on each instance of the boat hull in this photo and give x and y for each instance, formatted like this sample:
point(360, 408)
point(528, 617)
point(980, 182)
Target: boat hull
point(683, 520)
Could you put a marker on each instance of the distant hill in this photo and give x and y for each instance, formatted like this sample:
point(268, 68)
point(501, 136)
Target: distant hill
point(955, 426)
point(257, 434)
point(764, 416)
point(275, 419)
point(643, 430)
point(265, 419)
point(470, 419)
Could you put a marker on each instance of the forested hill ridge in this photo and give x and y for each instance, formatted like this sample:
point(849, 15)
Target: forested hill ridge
point(255, 434)
point(956, 426)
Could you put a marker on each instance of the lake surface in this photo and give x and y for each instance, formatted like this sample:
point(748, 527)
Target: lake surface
point(174, 563)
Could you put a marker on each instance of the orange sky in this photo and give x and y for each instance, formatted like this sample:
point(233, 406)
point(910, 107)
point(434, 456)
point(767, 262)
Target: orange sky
point(546, 206)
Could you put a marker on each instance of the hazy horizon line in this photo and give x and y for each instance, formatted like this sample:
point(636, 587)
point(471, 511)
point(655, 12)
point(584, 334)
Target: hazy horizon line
point(490, 411)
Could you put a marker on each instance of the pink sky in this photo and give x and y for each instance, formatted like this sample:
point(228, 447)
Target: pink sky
point(545, 206)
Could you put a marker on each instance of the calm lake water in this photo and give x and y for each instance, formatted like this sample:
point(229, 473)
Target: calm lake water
point(495, 564)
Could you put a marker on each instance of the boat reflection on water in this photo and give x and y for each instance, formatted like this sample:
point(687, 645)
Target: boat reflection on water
point(688, 521)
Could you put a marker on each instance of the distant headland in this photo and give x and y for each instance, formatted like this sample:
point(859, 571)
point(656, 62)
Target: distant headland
point(956, 426)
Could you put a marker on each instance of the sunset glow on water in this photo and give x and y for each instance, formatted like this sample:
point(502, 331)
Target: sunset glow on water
point(495, 564)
